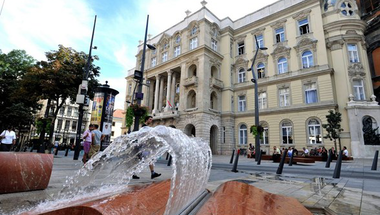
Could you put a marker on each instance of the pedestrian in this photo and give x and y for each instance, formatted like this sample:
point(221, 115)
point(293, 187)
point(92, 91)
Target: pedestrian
point(345, 152)
point(87, 136)
point(8, 139)
point(97, 137)
point(148, 121)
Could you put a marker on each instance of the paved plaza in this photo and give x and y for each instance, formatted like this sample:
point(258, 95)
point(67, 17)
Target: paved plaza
point(356, 192)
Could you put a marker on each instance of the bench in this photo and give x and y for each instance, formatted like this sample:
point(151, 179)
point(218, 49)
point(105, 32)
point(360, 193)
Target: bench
point(295, 159)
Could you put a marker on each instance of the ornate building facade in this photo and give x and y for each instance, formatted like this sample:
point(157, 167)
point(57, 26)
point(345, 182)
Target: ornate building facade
point(198, 79)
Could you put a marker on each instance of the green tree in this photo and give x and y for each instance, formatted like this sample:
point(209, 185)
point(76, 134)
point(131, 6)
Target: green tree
point(16, 109)
point(58, 78)
point(333, 127)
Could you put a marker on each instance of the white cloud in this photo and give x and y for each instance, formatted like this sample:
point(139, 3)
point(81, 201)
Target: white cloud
point(41, 25)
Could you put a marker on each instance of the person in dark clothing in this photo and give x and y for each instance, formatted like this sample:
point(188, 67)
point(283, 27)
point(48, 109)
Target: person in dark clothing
point(147, 121)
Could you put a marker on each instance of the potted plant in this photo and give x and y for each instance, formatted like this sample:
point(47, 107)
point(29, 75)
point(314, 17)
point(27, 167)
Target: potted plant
point(136, 110)
point(257, 130)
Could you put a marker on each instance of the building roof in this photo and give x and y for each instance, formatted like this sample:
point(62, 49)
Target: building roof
point(118, 113)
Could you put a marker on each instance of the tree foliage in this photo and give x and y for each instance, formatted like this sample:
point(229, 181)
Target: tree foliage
point(58, 78)
point(16, 109)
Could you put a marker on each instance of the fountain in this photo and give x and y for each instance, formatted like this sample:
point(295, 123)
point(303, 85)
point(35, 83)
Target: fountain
point(130, 154)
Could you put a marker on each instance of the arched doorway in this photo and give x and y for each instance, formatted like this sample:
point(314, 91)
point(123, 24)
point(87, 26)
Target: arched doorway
point(214, 139)
point(190, 130)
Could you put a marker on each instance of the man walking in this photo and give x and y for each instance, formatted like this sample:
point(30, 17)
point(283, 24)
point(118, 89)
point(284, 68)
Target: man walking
point(96, 139)
point(87, 136)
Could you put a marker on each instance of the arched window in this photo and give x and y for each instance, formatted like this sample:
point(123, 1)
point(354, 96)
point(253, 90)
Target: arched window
point(178, 39)
point(282, 65)
point(287, 132)
point(370, 131)
point(194, 30)
point(307, 59)
point(241, 76)
point(314, 132)
point(260, 70)
point(243, 135)
point(213, 101)
point(191, 99)
point(192, 71)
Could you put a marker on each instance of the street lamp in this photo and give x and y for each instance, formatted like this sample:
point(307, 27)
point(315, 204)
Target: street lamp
point(82, 97)
point(139, 77)
point(254, 80)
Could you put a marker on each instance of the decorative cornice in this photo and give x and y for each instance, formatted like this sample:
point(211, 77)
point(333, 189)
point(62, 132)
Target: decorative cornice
point(281, 50)
point(240, 38)
point(258, 31)
point(306, 43)
point(278, 24)
point(301, 15)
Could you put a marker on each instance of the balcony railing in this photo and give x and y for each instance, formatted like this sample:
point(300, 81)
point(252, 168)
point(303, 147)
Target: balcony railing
point(191, 81)
point(216, 83)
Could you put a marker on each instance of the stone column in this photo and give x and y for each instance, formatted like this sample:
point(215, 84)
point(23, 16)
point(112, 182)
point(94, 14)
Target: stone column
point(168, 91)
point(156, 95)
point(161, 96)
point(173, 91)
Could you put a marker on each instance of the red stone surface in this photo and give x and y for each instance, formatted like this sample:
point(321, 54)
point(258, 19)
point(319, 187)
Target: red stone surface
point(239, 198)
point(146, 200)
point(22, 171)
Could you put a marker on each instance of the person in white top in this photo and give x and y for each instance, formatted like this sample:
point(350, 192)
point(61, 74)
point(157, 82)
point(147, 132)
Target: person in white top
point(8, 138)
point(345, 151)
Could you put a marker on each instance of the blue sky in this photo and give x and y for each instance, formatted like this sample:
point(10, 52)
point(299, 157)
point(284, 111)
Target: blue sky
point(38, 26)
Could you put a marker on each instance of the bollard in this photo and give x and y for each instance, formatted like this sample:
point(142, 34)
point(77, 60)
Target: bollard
point(329, 159)
point(291, 159)
point(67, 151)
point(281, 166)
point(234, 169)
point(31, 149)
point(170, 160)
point(374, 163)
point(259, 158)
point(232, 156)
point(338, 165)
point(167, 155)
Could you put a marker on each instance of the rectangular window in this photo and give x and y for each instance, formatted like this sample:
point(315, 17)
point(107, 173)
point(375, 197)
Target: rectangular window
point(241, 103)
point(74, 126)
point(241, 76)
point(214, 45)
point(177, 51)
point(264, 139)
point(280, 35)
point(284, 97)
point(240, 48)
point(193, 43)
point(69, 111)
point(164, 56)
point(311, 93)
point(263, 100)
point(153, 64)
point(76, 112)
point(260, 41)
point(62, 111)
point(303, 26)
point(353, 53)
point(59, 125)
point(67, 125)
point(359, 90)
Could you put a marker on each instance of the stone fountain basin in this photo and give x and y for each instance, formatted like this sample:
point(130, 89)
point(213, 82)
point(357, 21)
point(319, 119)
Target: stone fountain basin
point(21, 171)
point(232, 197)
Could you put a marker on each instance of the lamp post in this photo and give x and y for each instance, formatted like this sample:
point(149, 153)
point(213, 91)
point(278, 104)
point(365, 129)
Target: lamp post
point(81, 97)
point(139, 76)
point(254, 80)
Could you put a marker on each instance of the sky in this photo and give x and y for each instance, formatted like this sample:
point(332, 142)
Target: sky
point(39, 26)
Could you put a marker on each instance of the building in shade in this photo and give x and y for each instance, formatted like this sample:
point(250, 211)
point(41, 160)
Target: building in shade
point(197, 78)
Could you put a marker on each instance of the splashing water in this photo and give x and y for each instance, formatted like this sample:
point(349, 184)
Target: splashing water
point(130, 154)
